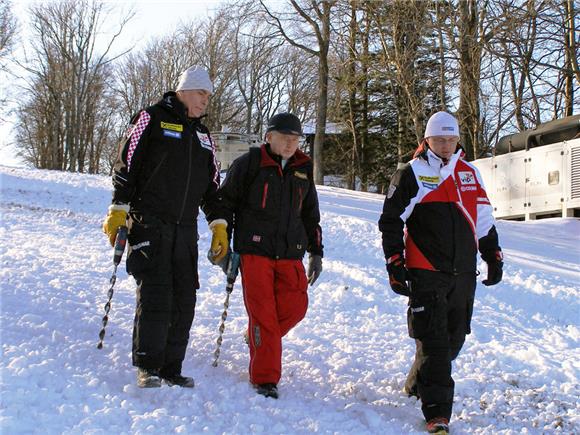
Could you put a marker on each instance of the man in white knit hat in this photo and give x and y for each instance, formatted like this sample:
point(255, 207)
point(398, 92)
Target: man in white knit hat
point(166, 170)
point(435, 218)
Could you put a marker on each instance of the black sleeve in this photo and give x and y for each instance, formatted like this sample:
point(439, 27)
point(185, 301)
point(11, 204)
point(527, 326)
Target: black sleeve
point(231, 193)
point(489, 245)
point(132, 151)
point(311, 219)
point(210, 199)
point(402, 189)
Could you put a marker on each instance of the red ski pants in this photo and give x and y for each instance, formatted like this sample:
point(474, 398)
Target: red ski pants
point(276, 300)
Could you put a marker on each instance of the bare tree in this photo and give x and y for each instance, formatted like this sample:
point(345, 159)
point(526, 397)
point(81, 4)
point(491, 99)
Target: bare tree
point(68, 78)
point(311, 21)
point(571, 55)
point(8, 26)
point(142, 77)
point(7, 29)
point(211, 44)
point(529, 66)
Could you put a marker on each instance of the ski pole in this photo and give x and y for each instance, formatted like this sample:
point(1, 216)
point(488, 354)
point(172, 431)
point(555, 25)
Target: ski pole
point(231, 273)
point(120, 242)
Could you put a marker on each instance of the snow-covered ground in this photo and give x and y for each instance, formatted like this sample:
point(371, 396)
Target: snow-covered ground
point(344, 365)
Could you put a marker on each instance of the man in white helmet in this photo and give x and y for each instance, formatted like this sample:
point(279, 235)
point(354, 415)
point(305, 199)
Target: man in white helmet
point(436, 216)
point(165, 171)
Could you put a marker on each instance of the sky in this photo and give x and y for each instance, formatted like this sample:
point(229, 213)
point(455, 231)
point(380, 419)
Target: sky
point(152, 18)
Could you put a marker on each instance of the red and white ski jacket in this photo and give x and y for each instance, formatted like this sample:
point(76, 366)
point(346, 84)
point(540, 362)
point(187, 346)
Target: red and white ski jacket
point(439, 215)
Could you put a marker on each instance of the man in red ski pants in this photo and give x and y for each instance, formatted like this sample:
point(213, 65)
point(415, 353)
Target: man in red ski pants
point(269, 198)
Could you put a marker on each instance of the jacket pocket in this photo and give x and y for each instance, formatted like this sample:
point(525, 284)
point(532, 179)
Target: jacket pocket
point(301, 279)
point(420, 314)
point(144, 240)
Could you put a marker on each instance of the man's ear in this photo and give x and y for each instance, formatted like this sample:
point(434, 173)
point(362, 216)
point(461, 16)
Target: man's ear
point(268, 136)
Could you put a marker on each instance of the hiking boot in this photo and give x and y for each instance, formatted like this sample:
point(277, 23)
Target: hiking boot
point(438, 425)
point(180, 381)
point(148, 378)
point(267, 390)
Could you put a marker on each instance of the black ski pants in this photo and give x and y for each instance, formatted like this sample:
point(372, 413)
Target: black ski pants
point(439, 318)
point(163, 260)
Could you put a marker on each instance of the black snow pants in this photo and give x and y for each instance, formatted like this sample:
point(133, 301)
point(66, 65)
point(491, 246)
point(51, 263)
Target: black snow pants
point(439, 318)
point(163, 260)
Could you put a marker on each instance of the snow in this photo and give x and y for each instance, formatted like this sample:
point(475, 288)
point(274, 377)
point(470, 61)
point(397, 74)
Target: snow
point(344, 365)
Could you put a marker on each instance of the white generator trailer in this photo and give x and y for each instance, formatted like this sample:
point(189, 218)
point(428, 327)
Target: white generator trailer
point(535, 173)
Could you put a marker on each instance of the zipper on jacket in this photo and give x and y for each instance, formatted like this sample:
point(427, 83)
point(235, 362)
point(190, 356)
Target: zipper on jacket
point(187, 183)
point(300, 199)
point(452, 208)
point(265, 195)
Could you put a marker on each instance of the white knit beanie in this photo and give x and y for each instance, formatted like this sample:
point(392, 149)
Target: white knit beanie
point(442, 124)
point(195, 77)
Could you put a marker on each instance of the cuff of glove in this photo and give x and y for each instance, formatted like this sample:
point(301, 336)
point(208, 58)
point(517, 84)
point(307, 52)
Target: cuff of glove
point(120, 207)
point(217, 222)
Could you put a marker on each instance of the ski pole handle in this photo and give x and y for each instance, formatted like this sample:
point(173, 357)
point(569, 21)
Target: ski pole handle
point(233, 266)
point(120, 243)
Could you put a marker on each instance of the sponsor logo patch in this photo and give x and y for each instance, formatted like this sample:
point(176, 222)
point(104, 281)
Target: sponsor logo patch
point(391, 192)
point(417, 309)
point(140, 245)
point(171, 133)
point(466, 177)
point(301, 175)
point(445, 128)
point(205, 141)
point(174, 127)
point(429, 186)
point(464, 188)
point(256, 238)
point(429, 179)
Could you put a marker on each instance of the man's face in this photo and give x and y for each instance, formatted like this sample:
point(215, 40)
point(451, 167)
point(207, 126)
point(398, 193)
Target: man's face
point(281, 144)
point(443, 146)
point(195, 100)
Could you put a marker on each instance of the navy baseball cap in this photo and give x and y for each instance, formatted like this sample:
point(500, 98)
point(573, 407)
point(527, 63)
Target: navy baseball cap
point(285, 123)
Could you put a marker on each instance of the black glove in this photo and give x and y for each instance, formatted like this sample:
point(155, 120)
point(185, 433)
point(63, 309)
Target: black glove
point(398, 274)
point(314, 268)
point(494, 267)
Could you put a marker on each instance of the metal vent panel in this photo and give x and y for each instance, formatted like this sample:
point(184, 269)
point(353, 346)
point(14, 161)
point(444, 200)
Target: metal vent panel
point(575, 173)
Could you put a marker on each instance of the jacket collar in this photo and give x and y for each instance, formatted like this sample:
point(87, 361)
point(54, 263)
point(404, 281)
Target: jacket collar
point(269, 159)
point(437, 162)
point(171, 103)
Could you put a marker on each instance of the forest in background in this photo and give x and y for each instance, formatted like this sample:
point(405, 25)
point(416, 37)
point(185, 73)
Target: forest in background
point(375, 69)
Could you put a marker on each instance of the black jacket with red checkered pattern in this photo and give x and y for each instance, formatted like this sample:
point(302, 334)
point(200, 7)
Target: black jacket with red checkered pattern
point(166, 164)
point(439, 215)
point(274, 211)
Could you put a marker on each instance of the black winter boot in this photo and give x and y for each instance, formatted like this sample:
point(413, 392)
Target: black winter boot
point(267, 390)
point(180, 381)
point(148, 378)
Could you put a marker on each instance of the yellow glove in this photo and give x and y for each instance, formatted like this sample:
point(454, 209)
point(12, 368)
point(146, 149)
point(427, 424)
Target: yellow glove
point(219, 240)
point(116, 218)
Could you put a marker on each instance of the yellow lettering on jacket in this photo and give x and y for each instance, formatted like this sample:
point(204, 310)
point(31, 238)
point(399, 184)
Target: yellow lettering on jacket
point(428, 179)
point(174, 127)
point(301, 175)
